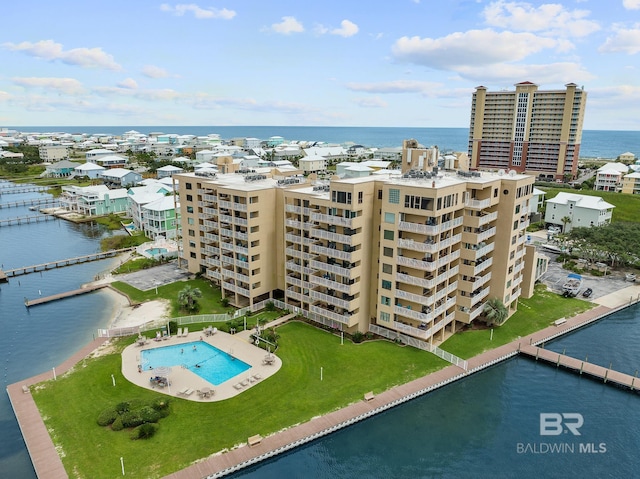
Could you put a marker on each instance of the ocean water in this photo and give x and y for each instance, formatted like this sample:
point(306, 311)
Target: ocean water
point(595, 143)
point(468, 429)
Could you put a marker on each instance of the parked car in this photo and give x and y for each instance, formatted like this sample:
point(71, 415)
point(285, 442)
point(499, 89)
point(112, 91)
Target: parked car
point(587, 293)
point(554, 229)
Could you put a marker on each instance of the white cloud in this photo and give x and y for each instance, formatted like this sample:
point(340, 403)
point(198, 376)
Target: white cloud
point(626, 40)
point(287, 26)
point(550, 17)
point(4, 96)
point(153, 71)
point(562, 72)
point(67, 86)
point(631, 4)
point(471, 48)
point(51, 51)
point(128, 83)
point(396, 86)
point(371, 102)
point(200, 13)
point(347, 29)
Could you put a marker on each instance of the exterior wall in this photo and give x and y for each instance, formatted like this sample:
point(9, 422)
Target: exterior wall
point(631, 185)
point(580, 217)
point(608, 181)
point(49, 153)
point(536, 265)
point(527, 130)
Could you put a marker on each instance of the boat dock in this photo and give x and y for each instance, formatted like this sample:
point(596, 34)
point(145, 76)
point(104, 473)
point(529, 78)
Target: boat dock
point(54, 297)
point(63, 262)
point(29, 189)
point(26, 219)
point(39, 201)
point(579, 366)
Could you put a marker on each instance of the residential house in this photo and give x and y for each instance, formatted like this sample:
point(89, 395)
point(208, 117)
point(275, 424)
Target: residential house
point(312, 164)
point(579, 210)
point(50, 153)
point(168, 171)
point(60, 169)
point(96, 153)
point(89, 169)
point(94, 200)
point(159, 218)
point(609, 177)
point(140, 196)
point(631, 183)
point(120, 177)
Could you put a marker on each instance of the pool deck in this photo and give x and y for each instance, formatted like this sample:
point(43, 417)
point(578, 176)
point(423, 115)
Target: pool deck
point(237, 345)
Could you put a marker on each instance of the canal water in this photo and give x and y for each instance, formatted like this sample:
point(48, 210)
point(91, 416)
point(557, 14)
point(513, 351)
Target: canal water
point(487, 425)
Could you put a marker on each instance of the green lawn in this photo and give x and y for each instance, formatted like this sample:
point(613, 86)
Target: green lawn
point(626, 206)
point(209, 302)
point(533, 314)
point(193, 430)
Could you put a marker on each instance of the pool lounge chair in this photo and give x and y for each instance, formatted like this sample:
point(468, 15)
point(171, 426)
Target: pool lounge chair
point(179, 332)
point(183, 391)
point(257, 377)
point(238, 386)
point(185, 332)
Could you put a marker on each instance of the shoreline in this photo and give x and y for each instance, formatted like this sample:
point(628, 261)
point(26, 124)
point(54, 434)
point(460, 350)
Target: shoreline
point(220, 464)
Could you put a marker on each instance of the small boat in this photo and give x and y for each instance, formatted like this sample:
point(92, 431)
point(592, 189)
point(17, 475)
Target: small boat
point(572, 285)
point(551, 248)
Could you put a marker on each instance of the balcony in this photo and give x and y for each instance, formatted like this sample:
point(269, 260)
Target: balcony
point(418, 228)
point(209, 212)
point(328, 283)
point(331, 252)
point(475, 299)
point(298, 253)
point(478, 204)
point(232, 206)
point(415, 298)
point(326, 298)
point(478, 221)
point(291, 293)
point(332, 268)
point(482, 266)
point(209, 198)
point(410, 313)
point(410, 330)
point(325, 313)
point(426, 283)
point(416, 263)
point(214, 274)
point(236, 289)
point(293, 266)
point(518, 267)
point(486, 234)
point(298, 282)
point(299, 224)
point(327, 235)
point(332, 220)
point(298, 209)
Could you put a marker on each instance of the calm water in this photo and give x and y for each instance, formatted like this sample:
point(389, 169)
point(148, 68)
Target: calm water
point(206, 361)
point(595, 143)
point(468, 429)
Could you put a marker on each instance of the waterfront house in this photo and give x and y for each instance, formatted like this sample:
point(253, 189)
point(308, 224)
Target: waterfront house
point(61, 169)
point(582, 210)
point(96, 153)
point(631, 183)
point(140, 196)
point(119, 177)
point(159, 218)
point(89, 169)
point(94, 200)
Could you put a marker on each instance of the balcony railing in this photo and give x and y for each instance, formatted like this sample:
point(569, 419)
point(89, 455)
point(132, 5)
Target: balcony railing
point(410, 313)
point(482, 266)
point(341, 318)
point(327, 283)
point(485, 235)
point(327, 235)
point(299, 224)
point(478, 204)
point(416, 298)
point(341, 303)
point(486, 219)
point(232, 206)
point(332, 268)
point(303, 298)
point(331, 252)
point(479, 297)
point(236, 289)
point(332, 220)
point(418, 228)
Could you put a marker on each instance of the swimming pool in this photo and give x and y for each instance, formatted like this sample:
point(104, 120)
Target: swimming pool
point(157, 251)
point(208, 362)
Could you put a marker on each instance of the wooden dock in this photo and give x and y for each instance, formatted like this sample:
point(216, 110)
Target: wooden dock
point(26, 219)
point(34, 202)
point(29, 189)
point(54, 297)
point(581, 367)
point(64, 262)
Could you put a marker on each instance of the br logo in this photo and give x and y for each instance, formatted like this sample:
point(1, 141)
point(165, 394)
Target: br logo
point(554, 424)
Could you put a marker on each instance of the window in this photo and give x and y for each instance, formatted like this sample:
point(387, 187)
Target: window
point(192, 244)
point(190, 221)
point(188, 186)
point(360, 197)
point(385, 317)
point(394, 196)
point(384, 300)
point(389, 235)
point(388, 252)
point(379, 194)
point(386, 284)
point(189, 209)
point(387, 268)
point(192, 233)
point(390, 218)
point(192, 254)
point(515, 225)
point(255, 229)
point(189, 197)
point(253, 214)
point(341, 197)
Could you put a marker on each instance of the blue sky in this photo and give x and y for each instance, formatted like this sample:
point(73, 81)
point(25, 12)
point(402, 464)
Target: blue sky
point(325, 63)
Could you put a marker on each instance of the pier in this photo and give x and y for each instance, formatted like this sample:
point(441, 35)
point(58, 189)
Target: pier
point(28, 189)
point(54, 297)
point(579, 366)
point(18, 220)
point(34, 202)
point(63, 262)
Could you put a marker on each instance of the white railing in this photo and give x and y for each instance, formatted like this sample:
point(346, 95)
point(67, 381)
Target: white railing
point(395, 335)
point(303, 298)
point(487, 218)
point(479, 297)
point(418, 228)
point(332, 268)
point(416, 298)
point(410, 313)
point(327, 235)
point(482, 266)
point(327, 283)
point(405, 328)
point(519, 267)
point(331, 252)
point(343, 319)
point(298, 224)
point(416, 263)
point(341, 303)
point(485, 250)
point(416, 246)
point(478, 204)
point(487, 234)
point(332, 220)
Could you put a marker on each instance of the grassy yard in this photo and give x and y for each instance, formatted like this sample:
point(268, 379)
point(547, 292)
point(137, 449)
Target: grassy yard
point(533, 314)
point(210, 302)
point(193, 430)
point(626, 206)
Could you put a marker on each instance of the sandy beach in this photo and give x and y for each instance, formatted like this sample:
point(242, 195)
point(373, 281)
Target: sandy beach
point(124, 315)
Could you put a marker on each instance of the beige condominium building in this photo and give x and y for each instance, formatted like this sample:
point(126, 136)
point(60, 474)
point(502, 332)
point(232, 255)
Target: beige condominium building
point(531, 131)
point(416, 252)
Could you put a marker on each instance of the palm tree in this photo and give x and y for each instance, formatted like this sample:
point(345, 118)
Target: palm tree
point(565, 221)
point(187, 298)
point(495, 312)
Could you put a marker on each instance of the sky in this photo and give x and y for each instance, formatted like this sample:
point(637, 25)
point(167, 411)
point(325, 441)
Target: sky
point(400, 63)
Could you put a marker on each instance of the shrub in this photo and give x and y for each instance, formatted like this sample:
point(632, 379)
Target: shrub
point(145, 431)
point(107, 417)
point(117, 424)
point(131, 418)
point(270, 306)
point(123, 407)
point(357, 337)
point(149, 414)
point(160, 404)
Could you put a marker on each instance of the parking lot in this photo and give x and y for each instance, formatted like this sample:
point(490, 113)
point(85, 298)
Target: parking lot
point(147, 279)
